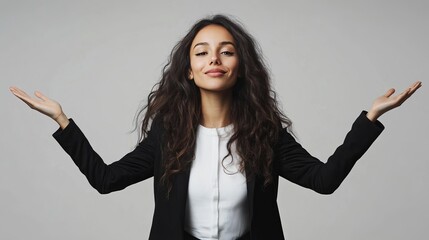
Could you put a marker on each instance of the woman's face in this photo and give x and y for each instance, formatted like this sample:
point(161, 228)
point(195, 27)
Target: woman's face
point(214, 59)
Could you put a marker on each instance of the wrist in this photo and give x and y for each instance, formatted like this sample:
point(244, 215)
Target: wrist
point(372, 116)
point(62, 120)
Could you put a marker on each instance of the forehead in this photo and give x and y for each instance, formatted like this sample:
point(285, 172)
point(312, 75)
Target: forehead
point(213, 34)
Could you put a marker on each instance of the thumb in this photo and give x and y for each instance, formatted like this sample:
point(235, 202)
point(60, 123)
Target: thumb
point(389, 92)
point(40, 95)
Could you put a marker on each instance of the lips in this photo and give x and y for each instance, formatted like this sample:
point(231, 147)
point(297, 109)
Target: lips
point(217, 72)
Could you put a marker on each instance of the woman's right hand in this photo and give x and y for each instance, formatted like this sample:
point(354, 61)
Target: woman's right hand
point(43, 104)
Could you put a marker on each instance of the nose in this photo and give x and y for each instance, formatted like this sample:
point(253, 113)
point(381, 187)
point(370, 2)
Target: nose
point(214, 60)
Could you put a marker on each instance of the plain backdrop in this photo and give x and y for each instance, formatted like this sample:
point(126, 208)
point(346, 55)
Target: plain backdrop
point(329, 60)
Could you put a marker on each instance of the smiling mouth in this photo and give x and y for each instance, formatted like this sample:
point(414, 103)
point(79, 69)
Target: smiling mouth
point(215, 73)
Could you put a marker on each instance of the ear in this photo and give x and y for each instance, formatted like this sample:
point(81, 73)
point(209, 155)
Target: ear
point(190, 75)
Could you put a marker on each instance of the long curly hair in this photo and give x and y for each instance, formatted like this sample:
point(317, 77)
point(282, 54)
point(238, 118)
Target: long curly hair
point(255, 114)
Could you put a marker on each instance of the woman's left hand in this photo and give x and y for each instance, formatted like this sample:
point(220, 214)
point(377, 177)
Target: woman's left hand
point(388, 102)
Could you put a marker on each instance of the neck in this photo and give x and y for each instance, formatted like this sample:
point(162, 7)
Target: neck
point(216, 109)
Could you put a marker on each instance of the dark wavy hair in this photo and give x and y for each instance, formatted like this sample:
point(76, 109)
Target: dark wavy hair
point(255, 114)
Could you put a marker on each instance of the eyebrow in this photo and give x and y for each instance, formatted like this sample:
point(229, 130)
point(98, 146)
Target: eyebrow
point(221, 43)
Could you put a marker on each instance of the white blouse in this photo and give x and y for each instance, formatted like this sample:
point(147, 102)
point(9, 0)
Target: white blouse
point(216, 207)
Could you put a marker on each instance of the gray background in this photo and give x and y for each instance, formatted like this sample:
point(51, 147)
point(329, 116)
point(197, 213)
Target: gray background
point(99, 59)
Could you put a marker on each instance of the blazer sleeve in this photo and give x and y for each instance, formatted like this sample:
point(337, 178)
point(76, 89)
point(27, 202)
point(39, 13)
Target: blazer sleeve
point(136, 166)
point(294, 163)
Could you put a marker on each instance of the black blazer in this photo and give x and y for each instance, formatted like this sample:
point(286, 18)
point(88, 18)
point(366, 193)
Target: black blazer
point(291, 161)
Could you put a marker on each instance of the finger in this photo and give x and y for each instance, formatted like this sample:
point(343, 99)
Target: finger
point(389, 92)
point(408, 92)
point(40, 95)
point(415, 86)
point(14, 90)
point(403, 96)
point(23, 96)
point(20, 94)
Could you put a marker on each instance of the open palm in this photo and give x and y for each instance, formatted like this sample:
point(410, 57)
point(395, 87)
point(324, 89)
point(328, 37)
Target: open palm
point(42, 103)
point(387, 102)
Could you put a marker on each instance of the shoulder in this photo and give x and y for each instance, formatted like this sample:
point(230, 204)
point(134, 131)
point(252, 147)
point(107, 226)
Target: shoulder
point(157, 128)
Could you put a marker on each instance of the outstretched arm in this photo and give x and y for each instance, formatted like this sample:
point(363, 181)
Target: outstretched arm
point(44, 105)
point(388, 102)
point(132, 168)
point(294, 163)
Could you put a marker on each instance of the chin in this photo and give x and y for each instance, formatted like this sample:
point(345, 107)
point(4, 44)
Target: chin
point(215, 85)
point(216, 88)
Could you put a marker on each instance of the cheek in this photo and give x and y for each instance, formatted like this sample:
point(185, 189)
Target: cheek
point(196, 66)
point(235, 66)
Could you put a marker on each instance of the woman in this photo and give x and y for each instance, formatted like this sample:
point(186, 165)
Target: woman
point(216, 142)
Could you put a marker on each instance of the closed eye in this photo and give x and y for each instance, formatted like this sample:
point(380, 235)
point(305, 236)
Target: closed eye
point(201, 54)
point(227, 53)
